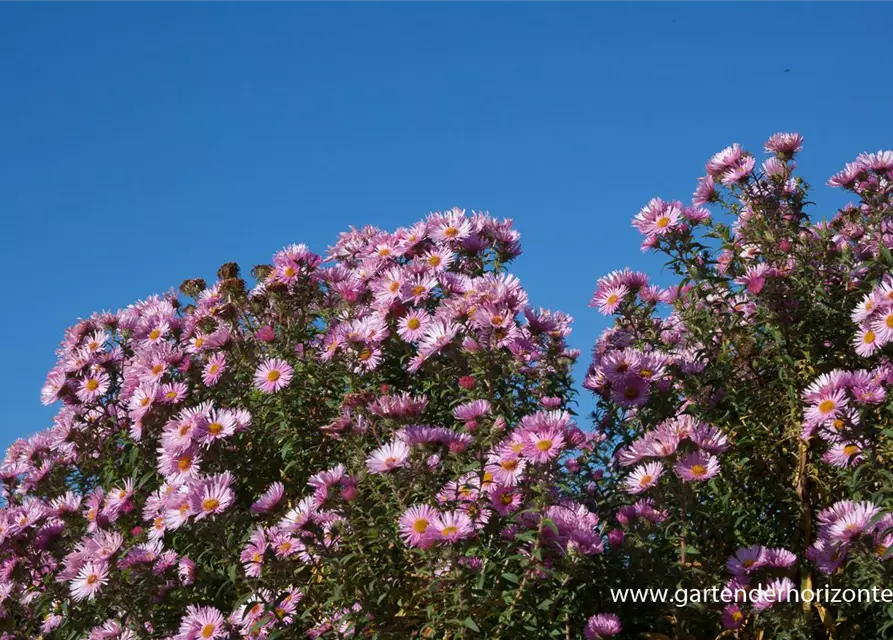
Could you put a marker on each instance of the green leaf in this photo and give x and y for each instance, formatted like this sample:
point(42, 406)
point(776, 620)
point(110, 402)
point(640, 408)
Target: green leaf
point(511, 577)
point(471, 624)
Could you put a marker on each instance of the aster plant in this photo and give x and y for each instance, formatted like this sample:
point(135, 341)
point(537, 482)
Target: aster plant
point(748, 430)
point(369, 444)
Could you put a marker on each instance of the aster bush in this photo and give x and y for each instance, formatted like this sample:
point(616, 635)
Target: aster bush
point(745, 407)
point(366, 445)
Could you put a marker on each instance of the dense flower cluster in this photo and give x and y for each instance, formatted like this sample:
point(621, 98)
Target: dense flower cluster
point(380, 442)
point(218, 466)
point(751, 354)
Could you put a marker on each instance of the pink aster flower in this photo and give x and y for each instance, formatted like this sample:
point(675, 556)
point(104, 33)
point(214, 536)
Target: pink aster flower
point(602, 625)
point(413, 325)
point(784, 144)
point(658, 217)
point(220, 424)
point(94, 384)
point(388, 457)
point(609, 299)
point(202, 623)
point(273, 375)
point(543, 445)
point(732, 617)
point(452, 526)
point(866, 342)
point(746, 560)
point(212, 495)
point(643, 477)
point(416, 525)
point(214, 368)
point(696, 467)
point(778, 590)
point(90, 579)
point(852, 522)
point(269, 499)
point(705, 192)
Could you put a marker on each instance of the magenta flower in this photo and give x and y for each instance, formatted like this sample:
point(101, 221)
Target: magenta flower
point(202, 623)
point(388, 457)
point(90, 580)
point(273, 375)
point(214, 368)
point(212, 495)
point(269, 499)
point(697, 467)
point(602, 625)
point(643, 477)
point(416, 525)
point(452, 526)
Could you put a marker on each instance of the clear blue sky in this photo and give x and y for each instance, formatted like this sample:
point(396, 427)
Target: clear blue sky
point(141, 144)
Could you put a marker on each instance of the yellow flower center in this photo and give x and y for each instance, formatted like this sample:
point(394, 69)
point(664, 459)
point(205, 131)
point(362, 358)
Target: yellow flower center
point(199, 342)
point(207, 631)
point(663, 222)
point(214, 368)
point(506, 498)
point(451, 232)
point(747, 563)
point(869, 337)
point(158, 522)
point(158, 368)
point(289, 272)
point(850, 450)
point(394, 286)
point(215, 428)
point(827, 406)
point(145, 400)
point(92, 384)
point(889, 321)
point(170, 395)
point(544, 445)
point(418, 290)
point(646, 373)
point(154, 335)
point(737, 616)
point(384, 251)
point(209, 504)
point(420, 525)
point(698, 470)
point(413, 323)
point(284, 547)
point(434, 261)
point(365, 354)
point(497, 320)
point(92, 579)
point(449, 531)
point(509, 465)
point(184, 463)
point(646, 479)
point(273, 375)
point(613, 298)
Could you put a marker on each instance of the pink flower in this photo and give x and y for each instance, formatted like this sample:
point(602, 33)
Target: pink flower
point(212, 495)
point(90, 579)
point(215, 368)
point(389, 457)
point(265, 334)
point(202, 623)
point(269, 499)
point(273, 375)
point(602, 625)
point(452, 526)
point(643, 477)
point(415, 525)
point(697, 467)
point(541, 446)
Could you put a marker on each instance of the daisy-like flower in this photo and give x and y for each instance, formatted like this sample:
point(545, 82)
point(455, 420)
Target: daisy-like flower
point(412, 326)
point(631, 391)
point(609, 299)
point(696, 467)
point(723, 160)
point(269, 499)
point(506, 466)
point(866, 342)
point(452, 526)
point(658, 217)
point(705, 192)
point(602, 625)
point(643, 477)
point(784, 144)
point(202, 623)
point(844, 454)
point(739, 171)
point(212, 495)
point(438, 259)
point(543, 445)
point(92, 577)
point(732, 617)
point(778, 590)
point(826, 407)
point(94, 384)
point(388, 457)
point(852, 522)
point(883, 326)
point(746, 560)
point(273, 375)
point(214, 368)
point(220, 424)
point(505, 500)
point(416, 525)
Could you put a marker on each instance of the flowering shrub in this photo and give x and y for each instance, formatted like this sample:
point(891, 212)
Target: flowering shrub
point(380, 443)
point(366, 446)
point(746, 406)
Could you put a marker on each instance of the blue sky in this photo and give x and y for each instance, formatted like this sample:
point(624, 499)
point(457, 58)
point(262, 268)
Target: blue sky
point(141, 144)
